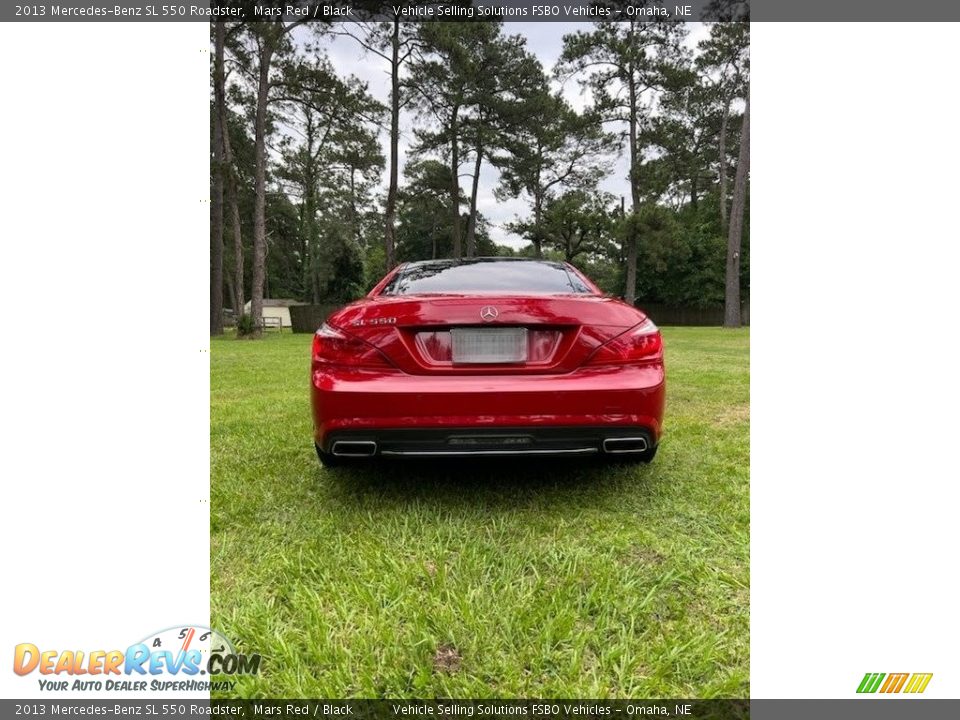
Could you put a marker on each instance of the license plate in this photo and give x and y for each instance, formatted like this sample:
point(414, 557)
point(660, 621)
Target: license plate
point(489, 345)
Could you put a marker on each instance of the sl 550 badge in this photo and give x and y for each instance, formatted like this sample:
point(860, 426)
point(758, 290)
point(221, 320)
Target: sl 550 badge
point(375, 321)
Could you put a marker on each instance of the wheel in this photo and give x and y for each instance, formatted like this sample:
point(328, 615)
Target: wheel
point(328, 460)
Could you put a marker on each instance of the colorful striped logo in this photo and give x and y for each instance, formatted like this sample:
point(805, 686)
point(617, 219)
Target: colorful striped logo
point(894, 682)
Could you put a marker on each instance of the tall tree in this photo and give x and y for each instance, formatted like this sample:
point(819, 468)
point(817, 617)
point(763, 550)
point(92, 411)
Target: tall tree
point(351, 223)
point(734, 238)
point(423, 228)
point(322, 118)
point(392, 41)
point(724, 63)
point(216, 200)
point(234, 206)
point(230, 178)
point(622, 63)
point(298, 175)
point(423, 231)
point(449, 69)
point(269, 39)
point(578, 222)
point(238, 160)
point(680, 138)
point(356, 163)
point(548, 146)
point(266, 41)
point(398, 55)
point(491, 112)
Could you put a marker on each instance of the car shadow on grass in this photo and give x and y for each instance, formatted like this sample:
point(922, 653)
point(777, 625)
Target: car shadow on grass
point(490, 482)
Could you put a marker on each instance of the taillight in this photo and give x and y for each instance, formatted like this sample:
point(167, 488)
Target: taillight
point(639, 345)
point(333, 347)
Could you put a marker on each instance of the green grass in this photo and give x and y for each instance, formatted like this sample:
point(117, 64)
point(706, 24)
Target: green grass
point(483, 580)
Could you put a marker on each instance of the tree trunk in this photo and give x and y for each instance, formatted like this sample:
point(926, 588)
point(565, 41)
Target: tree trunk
point(309, 241)
point(260, 187)
point(232, 292)
point(234, 207)
point(472, 222)
point(537, 219)
point(723, 165)
point(732, 311)
point(630, 292)
point(304, 251)
point(216, 244)
point(239, 298)
point(354, 212)
point(455, 185)
point(216, 192)
point(538, 213)
point(309, 208)
point(390, 214)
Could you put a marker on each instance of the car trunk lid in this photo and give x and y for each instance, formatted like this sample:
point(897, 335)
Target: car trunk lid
point(487, 334)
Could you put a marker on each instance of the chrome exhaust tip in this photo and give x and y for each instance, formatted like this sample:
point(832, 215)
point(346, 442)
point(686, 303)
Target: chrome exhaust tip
point(623, 445)
point(354, 448)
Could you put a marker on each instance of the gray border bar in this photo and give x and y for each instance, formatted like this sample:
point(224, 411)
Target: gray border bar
point(506, 10)
point(873, 708)
point(332, 11)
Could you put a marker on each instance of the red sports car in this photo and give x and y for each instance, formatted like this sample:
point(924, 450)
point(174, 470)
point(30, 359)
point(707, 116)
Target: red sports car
point(487, 357)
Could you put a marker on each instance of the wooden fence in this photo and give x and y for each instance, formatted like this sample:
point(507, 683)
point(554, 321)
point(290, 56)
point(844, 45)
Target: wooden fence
point(689, 314)
point(307, 318)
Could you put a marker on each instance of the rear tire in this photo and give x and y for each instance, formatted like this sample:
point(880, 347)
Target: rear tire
point(328, 460)
point(648, 455)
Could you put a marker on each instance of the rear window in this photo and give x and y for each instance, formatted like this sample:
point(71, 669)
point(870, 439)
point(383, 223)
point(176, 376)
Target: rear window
point(485, 276)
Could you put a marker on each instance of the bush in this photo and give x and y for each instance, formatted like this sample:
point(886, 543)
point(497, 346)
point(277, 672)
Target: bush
point(245, 325)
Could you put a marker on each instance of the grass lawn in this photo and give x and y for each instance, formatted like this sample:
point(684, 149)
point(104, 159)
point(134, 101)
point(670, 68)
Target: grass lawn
point(476, 580)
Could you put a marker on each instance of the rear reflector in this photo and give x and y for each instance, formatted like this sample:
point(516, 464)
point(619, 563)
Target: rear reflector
point(639, 345)
point(334, 347)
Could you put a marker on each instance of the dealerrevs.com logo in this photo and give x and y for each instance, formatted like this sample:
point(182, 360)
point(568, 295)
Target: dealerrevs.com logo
point(894, 683)
point(178, 659)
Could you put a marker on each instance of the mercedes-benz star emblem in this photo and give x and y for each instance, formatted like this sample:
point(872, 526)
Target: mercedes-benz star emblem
point(488, 313)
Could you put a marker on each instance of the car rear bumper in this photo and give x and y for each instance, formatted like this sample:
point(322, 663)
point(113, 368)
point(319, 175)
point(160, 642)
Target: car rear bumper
point(497, 442)
point(487, 415)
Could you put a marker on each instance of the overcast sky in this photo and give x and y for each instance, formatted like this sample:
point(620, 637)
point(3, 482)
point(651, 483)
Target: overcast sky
point(544, 39)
